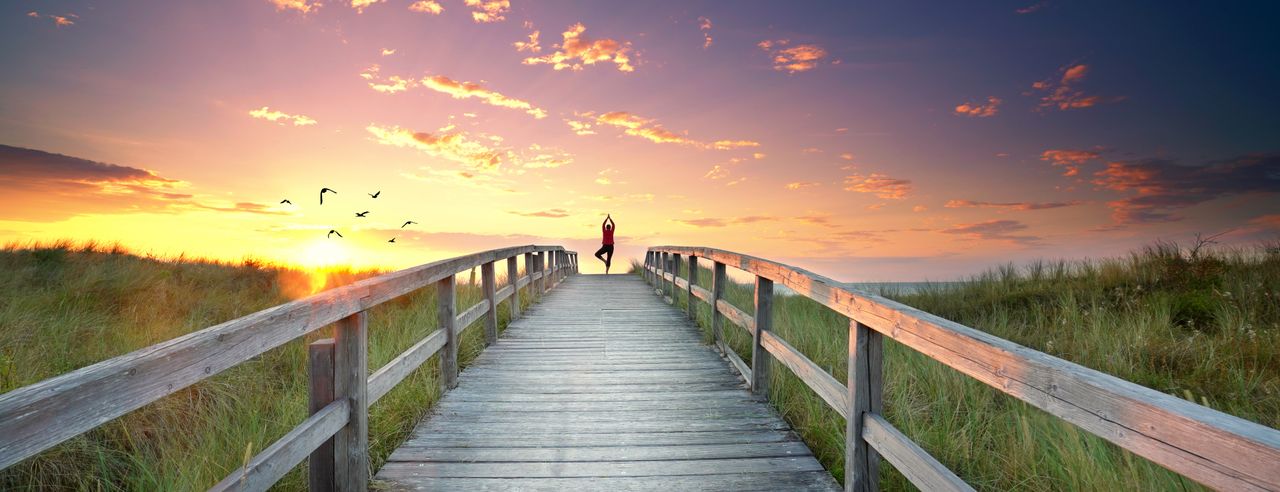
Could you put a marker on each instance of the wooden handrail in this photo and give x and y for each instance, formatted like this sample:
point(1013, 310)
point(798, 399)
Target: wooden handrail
point(39, 416)
point(1214, 448)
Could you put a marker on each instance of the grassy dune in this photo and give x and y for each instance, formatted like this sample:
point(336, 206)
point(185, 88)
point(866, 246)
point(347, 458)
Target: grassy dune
point(1203, 326)
point(63, 307)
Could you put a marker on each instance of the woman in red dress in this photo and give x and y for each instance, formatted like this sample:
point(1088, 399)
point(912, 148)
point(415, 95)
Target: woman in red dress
point(606, 228)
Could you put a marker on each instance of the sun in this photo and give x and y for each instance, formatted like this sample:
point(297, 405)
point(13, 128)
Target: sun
point(324, 253)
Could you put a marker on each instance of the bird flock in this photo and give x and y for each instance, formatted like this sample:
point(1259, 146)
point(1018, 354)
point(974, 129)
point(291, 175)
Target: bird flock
point(359, 215)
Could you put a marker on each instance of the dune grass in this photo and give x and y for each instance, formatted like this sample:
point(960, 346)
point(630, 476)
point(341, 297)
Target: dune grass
point(65, 306)
point(1201, 325)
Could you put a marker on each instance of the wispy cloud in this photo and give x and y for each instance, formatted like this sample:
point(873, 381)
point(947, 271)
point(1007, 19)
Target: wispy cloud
point(994, 230)
point(555, 213)
point(979, 110)
point(578, 51)
point(389, 85)
point(1159, 188)
point(388, 51)
point(280, 117)
point(1062, 93)
point(704, 25)
point(649, 129)
point(1032, 8)
point(448, 143)
point(793, 59)
point(1069, 159)
point(880, 185)
point(724, 222)
point(1014, 206)
point(58, 20)
point(489, 10)
point(483, 182)
point(800, 185)
point(360, 5)
point(426, 7)
point(467, 90)
point(531, 45)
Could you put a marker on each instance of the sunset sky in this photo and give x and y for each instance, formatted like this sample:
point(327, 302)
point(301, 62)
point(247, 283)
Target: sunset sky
point(869, 141)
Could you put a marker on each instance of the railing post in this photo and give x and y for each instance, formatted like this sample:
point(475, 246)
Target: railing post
point(488, 283)
point(528, 271)
point(648, 263)
point(446, 294)
point(320, 371)
point(666, 269)
point(675, 272)
point(537, 267)
point(351, 372)
point(760, 358)
point(717, 292)
point(546, 271)
point(693, 279)
point(513, 278)
point(861, 462)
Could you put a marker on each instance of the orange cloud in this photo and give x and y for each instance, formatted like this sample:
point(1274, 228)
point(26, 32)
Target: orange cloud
point(531, 46)
point(649, 129)
point(798, 58)
point(1063, 95)
point(281, 117)
point(466, 90)
point(997, 230)
point(1069, 159)
point(1018, 206)
point(426, 7)
point(58, 20)
point(715, 222)
point(489, 10)
point(577, 51)
point(704, 24)
point(390, 85)
point(388, 52)
point(919, 208)
point(555, 213)
point(360, 5)
point(979, 110)
point(716, 172)
point(447, 143)
point(1159, 188)
point(879, 185)
point(799, 185)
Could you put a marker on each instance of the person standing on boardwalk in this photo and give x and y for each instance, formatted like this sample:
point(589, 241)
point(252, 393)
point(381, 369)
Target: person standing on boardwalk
point(606, 248)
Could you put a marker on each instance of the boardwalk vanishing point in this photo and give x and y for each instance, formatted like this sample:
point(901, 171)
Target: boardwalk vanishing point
point(602, 386)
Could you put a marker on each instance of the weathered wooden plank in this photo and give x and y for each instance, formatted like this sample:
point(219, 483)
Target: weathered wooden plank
point(513, 283)
point(446, 297)
point(470, 316)
point(39, 416)
point(350, 376)
point(702, 403)
point(400, 469)
point(490, 287)
point(817, 378)
point(691, 306)
point(742, 482)
point(281, 456)
point(857, 459)
point(737, 362)
point(909, 458)
point(503, 293)
point(320, 395)
point(737, 316)
point(763, 316)
point(603, 453)
point(741, 413)
point(702, 294)
point(1214, 448)
point(387, 377)
point(572, 439)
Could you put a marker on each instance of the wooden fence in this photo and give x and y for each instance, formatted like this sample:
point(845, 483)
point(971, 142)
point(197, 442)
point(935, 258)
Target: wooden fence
point(1216, 449)
point(37, 417)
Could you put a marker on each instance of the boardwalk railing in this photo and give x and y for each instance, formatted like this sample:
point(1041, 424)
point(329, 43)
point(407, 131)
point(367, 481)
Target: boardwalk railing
point(1216, 449)
point(37, 417)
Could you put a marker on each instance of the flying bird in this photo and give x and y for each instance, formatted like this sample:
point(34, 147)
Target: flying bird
point(407, 222)
point(392, 240)
point(362, 214)
point(375, 194)
point(286, 200)
point(331, 233)
point(323, 191)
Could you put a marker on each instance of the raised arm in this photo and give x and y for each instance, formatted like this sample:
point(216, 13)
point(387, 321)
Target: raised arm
point(608, 221)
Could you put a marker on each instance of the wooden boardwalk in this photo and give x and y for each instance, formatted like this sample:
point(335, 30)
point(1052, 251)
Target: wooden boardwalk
point(602, 386)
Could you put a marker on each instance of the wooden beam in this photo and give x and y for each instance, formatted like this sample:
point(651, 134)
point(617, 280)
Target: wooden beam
point(763, 317)
point(446, 293)
point(320, 395)
point(491, 295)
point(815, 377)
point(383, 380)
point(925, 472)
point(281, 456)
point(513, 279)
point(737, 316)
point(717, 293)
point(351, 373)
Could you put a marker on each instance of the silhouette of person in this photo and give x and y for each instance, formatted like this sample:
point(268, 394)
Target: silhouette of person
point(606, 248)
